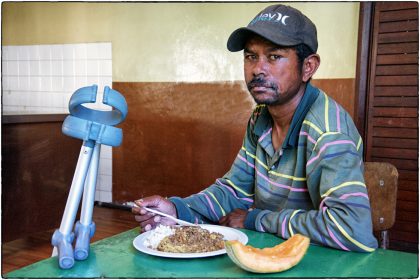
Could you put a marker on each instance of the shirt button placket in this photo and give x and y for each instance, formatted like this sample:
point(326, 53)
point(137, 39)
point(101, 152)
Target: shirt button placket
point(277, 159)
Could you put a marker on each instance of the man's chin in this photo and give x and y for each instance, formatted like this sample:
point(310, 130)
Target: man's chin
point(265, 98)
point(267, 102)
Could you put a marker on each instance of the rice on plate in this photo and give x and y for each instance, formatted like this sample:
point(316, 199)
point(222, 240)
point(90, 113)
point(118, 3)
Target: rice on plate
point(157, 235)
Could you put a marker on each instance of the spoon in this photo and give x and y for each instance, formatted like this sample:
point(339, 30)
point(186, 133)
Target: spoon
point(178, 221)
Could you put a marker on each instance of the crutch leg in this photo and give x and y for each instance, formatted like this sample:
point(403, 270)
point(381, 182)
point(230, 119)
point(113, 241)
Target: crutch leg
point(85, 228)
point(63, 237)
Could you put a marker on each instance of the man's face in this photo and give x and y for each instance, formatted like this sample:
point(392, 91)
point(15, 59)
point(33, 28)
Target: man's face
point(271, 72)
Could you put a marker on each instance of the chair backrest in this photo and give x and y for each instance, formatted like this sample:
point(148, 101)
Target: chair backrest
point(381, 180)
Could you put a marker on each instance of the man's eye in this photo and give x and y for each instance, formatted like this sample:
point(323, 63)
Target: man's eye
point(274, 57)
point(250, 57)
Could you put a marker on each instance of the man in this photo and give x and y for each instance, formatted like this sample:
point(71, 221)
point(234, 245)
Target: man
point(300, 168)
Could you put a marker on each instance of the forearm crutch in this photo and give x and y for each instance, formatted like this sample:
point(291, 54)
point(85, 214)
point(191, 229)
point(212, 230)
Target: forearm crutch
point(95, 128)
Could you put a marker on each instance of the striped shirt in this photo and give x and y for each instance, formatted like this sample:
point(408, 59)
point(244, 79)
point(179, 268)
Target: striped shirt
point(313, 185)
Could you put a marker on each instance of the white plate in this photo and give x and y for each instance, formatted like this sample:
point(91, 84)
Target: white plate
point(227, 232)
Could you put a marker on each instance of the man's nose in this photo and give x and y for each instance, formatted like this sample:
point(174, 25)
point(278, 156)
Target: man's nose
point(260, 67)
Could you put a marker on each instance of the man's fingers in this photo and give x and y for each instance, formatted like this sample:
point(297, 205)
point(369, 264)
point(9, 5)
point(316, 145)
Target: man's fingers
point(140, 217)
point(223, 220)
point(149, 222)
point(151, 201)
point(145, 228)
point(138, 202)
point(140, 211)
point(145, 212)
point(147, 225)
point(166, 222)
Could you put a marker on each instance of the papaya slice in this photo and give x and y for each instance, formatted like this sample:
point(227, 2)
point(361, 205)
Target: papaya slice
point(268, 260)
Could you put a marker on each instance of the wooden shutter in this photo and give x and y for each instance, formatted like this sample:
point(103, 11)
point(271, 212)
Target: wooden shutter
point(392, 108)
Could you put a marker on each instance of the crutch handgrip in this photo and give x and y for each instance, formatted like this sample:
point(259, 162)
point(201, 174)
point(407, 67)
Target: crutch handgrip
point(88, 130)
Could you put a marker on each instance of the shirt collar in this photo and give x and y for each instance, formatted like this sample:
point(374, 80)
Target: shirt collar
point(263, 123)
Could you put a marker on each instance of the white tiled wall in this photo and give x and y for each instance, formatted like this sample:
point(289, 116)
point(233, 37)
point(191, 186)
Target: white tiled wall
point(40, 79)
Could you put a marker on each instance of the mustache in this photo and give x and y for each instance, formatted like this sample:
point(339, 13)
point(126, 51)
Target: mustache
point(259, 81)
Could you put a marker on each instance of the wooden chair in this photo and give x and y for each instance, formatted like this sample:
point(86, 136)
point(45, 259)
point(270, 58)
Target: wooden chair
point(381, 180)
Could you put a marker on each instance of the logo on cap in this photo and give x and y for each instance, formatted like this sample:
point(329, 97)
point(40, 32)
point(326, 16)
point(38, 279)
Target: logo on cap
point(277, 17)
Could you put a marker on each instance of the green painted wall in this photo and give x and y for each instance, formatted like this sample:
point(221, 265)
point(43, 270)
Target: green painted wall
point(175, 41)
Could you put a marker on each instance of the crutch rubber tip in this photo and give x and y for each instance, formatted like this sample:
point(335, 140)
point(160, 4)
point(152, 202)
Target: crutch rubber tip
point(81, 254)
point(66, 262)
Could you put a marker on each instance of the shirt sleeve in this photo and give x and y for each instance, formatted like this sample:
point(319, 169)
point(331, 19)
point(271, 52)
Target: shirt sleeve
point(342, 216)
point(234, 190)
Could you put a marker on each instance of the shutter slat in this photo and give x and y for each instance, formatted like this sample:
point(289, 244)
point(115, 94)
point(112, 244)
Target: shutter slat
point(396, 101)
point(397, 59)
point(407, 206)
point(398, 26)
point(400, 164)
point(395, 70)
point(395, 91)
point(408, 176)
point(398, 37)
point(395, 112)
point(387, 16)
point(396, 122)
point(405, 226)
point(391, 132)
point(394, 153)
point(395, 48)
point(406, 216)
point(407, 185)
point(402, 236)
point(391, 6)
point(407, 195)
point(396, 80)
point(394, 142)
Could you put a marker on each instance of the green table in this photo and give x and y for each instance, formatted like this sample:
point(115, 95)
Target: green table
point(115, 257)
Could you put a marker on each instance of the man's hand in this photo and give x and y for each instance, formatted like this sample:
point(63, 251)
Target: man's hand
point(235, 219)
point(149, 220)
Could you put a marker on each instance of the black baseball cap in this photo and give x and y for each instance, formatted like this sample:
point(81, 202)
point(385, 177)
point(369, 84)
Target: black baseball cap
point(279, 24)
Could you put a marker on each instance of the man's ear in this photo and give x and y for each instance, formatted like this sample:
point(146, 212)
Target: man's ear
point(309, 67)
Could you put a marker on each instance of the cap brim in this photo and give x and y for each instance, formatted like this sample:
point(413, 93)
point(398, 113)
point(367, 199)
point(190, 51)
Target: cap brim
point(239, 37)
